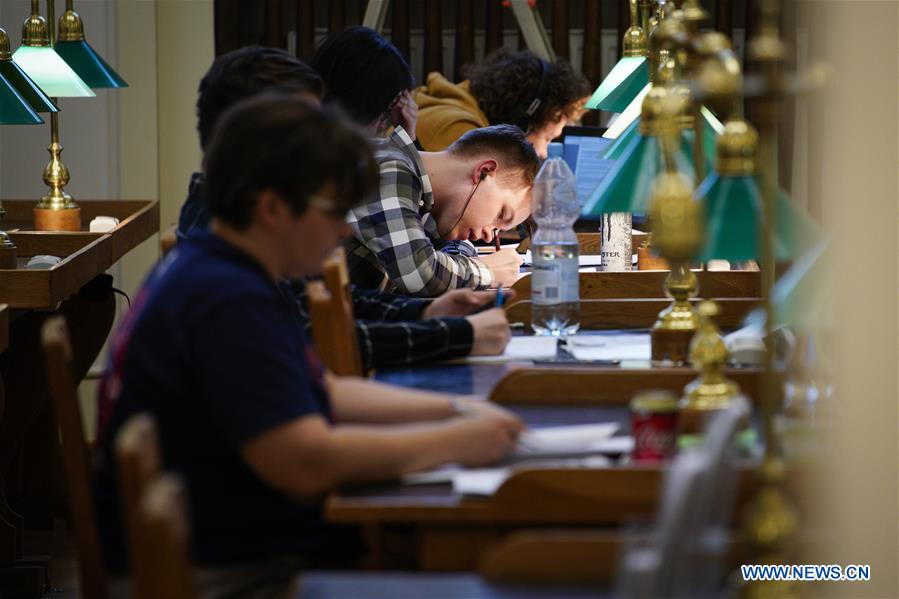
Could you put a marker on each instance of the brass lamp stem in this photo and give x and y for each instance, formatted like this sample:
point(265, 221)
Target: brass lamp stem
point(644, 15)
point(51, 21)
point(56, 174)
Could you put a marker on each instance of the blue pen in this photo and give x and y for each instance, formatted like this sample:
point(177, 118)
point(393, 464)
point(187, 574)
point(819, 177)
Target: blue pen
point(499, 297)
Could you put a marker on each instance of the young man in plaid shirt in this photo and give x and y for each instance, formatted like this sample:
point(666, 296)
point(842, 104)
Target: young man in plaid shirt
point(480, 184)
point(393, 330)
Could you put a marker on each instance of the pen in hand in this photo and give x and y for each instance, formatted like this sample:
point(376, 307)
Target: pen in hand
point(499, 296)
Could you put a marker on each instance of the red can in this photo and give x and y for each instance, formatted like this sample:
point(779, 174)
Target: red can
point(654, 425)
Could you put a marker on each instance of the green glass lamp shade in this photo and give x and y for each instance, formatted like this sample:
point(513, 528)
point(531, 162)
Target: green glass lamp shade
point(51, 72)
point(627, 186)
point(28, 89)
point(632, 113)
point(803, 297)
point(14, 110)
point(92, 69)
point(615, 150)
point(733, 209)
point(621, 86)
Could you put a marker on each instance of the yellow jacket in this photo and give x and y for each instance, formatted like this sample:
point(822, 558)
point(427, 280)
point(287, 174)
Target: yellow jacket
point(445, 111)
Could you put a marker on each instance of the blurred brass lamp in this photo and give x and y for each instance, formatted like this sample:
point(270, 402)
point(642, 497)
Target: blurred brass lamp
point(78, 54)
point(628, 185)
point(56, 211)
point(629, 75)
point(732, 202)
point(667, 41)
point(677, 228)
point(711, 391)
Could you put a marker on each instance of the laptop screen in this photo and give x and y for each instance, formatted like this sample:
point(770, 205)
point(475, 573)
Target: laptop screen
point(583, 149)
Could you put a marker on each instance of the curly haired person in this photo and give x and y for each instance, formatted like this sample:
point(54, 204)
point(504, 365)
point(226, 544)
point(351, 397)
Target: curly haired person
point(516, 88)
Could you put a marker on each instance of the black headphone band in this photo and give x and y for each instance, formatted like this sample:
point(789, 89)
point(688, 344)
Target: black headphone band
point(524, 118)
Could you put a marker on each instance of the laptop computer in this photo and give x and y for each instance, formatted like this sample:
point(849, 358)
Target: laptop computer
point(583, 149)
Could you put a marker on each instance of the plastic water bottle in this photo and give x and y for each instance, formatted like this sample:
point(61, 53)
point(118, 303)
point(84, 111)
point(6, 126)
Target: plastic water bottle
point(554, 248)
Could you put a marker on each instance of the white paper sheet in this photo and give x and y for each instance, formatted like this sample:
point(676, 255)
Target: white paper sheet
point(521, 348)
point(480, 481)
point(585, 260)
point(622, 346)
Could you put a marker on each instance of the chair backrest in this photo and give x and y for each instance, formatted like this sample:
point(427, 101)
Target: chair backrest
point(139, 464)
point(163, 525)
point(333, 323)
point(64, 394)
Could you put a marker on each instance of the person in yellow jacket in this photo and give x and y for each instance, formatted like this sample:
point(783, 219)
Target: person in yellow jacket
point(515, 88)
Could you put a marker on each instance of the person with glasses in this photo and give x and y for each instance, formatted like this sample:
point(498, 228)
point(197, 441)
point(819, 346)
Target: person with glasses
point(392, 330)
point(216, 352)
point(479, 185)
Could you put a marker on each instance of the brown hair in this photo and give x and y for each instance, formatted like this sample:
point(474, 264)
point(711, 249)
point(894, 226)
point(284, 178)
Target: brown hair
point(506, 144)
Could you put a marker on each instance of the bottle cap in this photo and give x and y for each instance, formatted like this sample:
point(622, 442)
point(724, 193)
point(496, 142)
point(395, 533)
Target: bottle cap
point(554, 150)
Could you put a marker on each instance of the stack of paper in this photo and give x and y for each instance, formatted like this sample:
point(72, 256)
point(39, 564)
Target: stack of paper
point(574, 446)
point(564, 440)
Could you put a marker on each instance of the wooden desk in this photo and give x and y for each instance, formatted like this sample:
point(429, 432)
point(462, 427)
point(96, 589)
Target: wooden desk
point(521, 383)
point(650, 284)
point(32, 483)
point(431, 528)
point(599, 314)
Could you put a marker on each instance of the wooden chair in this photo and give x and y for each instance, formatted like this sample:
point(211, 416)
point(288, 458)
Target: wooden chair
point(64, 394)
point(333, 323)
point(139, 463)
point(163, 526)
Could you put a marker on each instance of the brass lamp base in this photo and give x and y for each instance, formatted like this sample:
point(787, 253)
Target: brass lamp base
point(671, 334)
point(57, 219)
point(702, 401)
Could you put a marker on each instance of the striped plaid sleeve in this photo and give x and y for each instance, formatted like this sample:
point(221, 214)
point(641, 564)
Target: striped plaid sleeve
point(369, 304)
point(391, 228)
point(386, 344)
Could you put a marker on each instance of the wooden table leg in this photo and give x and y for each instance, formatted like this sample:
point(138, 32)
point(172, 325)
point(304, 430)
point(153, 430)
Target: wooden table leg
point(90, 318)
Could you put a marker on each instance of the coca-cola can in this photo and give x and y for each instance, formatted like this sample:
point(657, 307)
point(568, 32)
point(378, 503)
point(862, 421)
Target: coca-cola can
point(654, 425)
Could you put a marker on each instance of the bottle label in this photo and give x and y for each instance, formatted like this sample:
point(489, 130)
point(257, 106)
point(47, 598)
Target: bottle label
point(555, 282)
point(616, 248)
